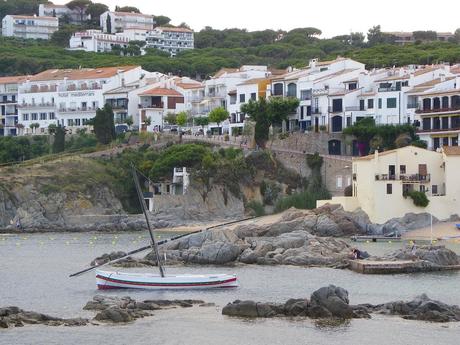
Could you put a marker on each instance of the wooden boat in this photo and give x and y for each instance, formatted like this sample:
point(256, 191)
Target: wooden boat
point(120, 280)
point(123, 280)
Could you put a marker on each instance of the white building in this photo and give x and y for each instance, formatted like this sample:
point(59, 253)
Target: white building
point(29, 27)
point(68, 97)
point(97, 41)
point(170, 40)
point(9, 105)
point(121, 21)
point(62, 11)
point(155, 103)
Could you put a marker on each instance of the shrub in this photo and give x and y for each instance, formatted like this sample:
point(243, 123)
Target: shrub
point(270, 192)
point(256, 207)
point(302, 200)
point(419, 198)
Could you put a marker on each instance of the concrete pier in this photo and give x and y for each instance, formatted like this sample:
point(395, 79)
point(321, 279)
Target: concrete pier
point(395, 267)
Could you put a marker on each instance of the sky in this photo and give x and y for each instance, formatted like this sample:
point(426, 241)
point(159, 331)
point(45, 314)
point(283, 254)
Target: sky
point(333, 17)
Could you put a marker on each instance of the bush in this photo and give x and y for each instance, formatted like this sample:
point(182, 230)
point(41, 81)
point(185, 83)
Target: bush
point(302, 200)
point(270, 192)
point(419, 198)
point(256, 207)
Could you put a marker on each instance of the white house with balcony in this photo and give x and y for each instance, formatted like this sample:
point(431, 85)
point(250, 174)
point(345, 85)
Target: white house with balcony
point(9, 105)
point(97, 41)
point(155, 103)
point(170, 40)
point(68, 97)
point(29, 27)
point(121, 21)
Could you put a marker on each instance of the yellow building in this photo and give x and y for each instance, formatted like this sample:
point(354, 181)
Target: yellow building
point(382, 180)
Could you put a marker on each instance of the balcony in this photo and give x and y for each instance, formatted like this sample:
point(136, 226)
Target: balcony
point(36, 105)
point(389, 89)
point(355, 108)
point(437, 110)
point(316, 111)
point(152, 106)
point(73, 110)
point(8, 101)
point(406, 178)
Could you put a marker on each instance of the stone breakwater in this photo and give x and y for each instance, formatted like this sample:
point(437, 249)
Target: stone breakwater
point(333, 302)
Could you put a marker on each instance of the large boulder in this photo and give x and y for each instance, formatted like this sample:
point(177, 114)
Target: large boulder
point(330, 301)
point(251, 309)
point(433, 255)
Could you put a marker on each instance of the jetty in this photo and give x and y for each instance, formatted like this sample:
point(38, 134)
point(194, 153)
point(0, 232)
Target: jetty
point(395, 267)
point(375, 238)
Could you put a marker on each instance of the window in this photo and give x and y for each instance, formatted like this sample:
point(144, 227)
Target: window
point(253, 96)
point(391, 103)
point(25, 117)
point(434, 189)
point(52, 116)
point(242, 98)
point(370, 104)
point(34, 116)
point(361, 104)
point(305, 95)
point(278, 89)
point(380, 103)
point(70, 122)
point(232, 99)
point(389, 188)
point(43, 116)
point(337, 105)
point(339, 182)
point(292, 90)
point(77, 122)
point(402, 169)
point(352, 86)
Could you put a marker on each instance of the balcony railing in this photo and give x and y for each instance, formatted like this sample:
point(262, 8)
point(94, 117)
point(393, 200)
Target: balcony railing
point(389, 89)
point(354, 108)
point(8, 101)
point(152, 106)
point(438, 110)
point(72, 110)
point(406, 178)
point(36, 105)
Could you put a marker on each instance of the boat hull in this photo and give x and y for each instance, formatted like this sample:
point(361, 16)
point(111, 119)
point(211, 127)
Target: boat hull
point(124, 280)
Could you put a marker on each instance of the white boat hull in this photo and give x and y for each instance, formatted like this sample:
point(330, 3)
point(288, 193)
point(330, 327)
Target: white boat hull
point(124, 280)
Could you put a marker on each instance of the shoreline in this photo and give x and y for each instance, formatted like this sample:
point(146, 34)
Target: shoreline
point(445, 231)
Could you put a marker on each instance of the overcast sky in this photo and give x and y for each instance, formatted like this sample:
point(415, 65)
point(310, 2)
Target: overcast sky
point(333, 17)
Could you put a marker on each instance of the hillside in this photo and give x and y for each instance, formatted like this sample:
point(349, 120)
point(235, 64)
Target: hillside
point(28, 57)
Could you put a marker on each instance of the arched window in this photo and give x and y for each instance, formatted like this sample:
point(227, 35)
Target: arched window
point(278, 89)
point(292, 90)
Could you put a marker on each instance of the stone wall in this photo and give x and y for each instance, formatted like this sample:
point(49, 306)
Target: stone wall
point(334, 169)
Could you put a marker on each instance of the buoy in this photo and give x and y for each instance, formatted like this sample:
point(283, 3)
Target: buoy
point(91, 243)
point(389, 242)
point(367, 241)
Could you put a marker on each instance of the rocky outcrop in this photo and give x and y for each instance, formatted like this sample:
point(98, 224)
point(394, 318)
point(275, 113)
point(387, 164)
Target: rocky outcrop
point(293, 238)
point(421, 308)
point(126, 309)
point(332, 302)
point(16, 317)
point(434, 256)
point(410, 221)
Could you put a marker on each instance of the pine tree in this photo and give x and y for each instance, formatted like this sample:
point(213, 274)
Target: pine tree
point(104, 125)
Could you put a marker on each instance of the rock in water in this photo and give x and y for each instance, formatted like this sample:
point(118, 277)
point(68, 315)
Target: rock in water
point(330, 301)
point(434, 255)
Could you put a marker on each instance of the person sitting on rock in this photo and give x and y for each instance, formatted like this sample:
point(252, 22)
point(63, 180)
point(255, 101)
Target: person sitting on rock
point(356, 254)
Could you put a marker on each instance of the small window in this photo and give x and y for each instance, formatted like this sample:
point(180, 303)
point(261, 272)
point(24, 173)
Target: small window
point(253, 96)
point(242, 98)
point(380, 103)
point(402, 169)
point(339, 182)
point(434, 189)
point(391, 103)
point(370, 104)
point(389, 188)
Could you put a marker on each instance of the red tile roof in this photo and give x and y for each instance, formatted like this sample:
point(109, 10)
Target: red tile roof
point(13, 79)
point(187, 86)
point(79, 74)
point(159, 91)
point(451, 150)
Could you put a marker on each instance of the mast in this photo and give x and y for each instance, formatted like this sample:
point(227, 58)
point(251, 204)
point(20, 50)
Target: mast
point(144, 210)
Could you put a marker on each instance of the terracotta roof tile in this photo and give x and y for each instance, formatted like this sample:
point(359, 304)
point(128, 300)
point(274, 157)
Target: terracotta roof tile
point(255, 81)
point(13, 79)
point(159, 91)
point(79, 74)
point(187, 86)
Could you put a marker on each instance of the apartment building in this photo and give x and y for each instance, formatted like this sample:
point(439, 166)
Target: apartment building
point(116, 22)
point(402, 37)
point(63, 12)
point(170, 40)
point(97, 41)
point(68, 97)
point(382, 181)
point(29, 27)
point(9, 105)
